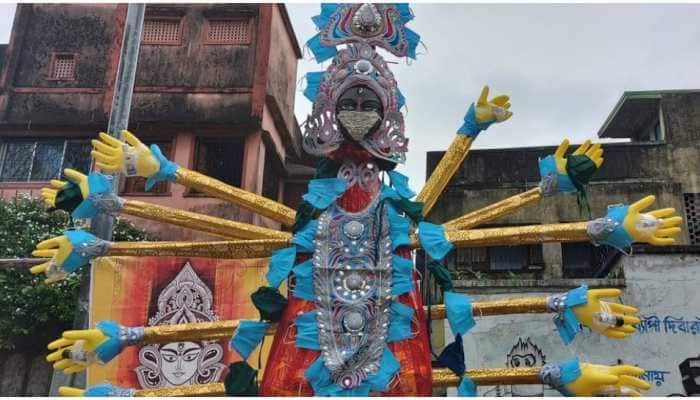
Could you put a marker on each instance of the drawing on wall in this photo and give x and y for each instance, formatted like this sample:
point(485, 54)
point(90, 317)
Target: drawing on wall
point(690, 375)
point(186, 299)
point(524, 354)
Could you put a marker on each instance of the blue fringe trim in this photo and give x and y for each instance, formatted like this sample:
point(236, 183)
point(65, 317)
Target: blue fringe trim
point(304, 238)
point(618, 238)
point(400, 182)
point(433, 240)
point(388, 367)
point(248, 336)
point(304, 275)
point(471, 127)
point(313, 80)
point(108, 390)
point(321, 20)
point(399, 227)
point(548, 166)
point(307, 331)
point(413, 39)
point(321, 53)
point(466, 388)
point(319, 377)
point(97, 183)
point(570, 371)
point(389, 193)
point(167, 169)
point(281, 264)
point(324, 191)
point(405, 12)
point(399, 322)
point(459, 312)
point(76, 238)
point(402, 275)
point(567, 324)
point(111, 347)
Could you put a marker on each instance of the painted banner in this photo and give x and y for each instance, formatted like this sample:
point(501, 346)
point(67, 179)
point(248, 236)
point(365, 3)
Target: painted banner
point(148, 291)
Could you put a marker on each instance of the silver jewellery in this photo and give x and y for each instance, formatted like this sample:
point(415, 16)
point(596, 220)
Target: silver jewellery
point(352, 288)
point(107, 202)
point(551, 375)
point(131, 336)
point(556, 303)
point(366, 175)
point(94, 248)
point(600, 228)
point(548, 184)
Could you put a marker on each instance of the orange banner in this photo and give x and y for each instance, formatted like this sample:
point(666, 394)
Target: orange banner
point(149, 291)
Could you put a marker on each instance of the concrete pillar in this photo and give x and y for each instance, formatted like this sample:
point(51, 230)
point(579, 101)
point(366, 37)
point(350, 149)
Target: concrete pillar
point(551, 253)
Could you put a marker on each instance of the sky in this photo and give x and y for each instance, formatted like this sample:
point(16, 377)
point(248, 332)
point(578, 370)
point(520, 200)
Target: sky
point(565, 66)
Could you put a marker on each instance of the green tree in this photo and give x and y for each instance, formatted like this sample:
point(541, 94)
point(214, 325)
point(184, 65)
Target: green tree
point(34, 313)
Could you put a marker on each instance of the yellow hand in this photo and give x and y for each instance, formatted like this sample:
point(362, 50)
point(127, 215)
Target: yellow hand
point(90, 339)
point(109, 154)
point(656, 227)
point(495, 110)
point(594, 152)
point(589, 313)
point(68, 391)
point(58, 248)
point(49, 194)
point(600, 379)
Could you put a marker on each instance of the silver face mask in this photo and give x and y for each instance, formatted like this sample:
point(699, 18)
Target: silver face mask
point(358, 123)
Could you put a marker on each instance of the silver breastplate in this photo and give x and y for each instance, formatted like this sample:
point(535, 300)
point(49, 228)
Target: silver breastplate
point(352, 286)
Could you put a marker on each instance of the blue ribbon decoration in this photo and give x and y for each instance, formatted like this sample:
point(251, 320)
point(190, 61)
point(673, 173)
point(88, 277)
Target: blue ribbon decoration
point(307, 331)
point(619, 238)
point(405, 12)
point(98, 183)
point(304, 238)
point(400, 318)
point(388, 367)
point(548, 167)
point(388, 193)
point(400, 182)
point(166, 172)
point(108, 390)
point(471, 127)
point(304, 275)
point(413, 40)
point(433, 240)
point(566, 322)
point(321, 53)
point(400, 98)
point(466, 388)
point(561, 375)
point(452, 356)
point(313, 80)
point(281, 264)
point(74, 260)
point(324, 191)
point(248, 336)
point(398, 228)
point(459, 312)
point(111, 347)
point(401, 276)
point(321, 20)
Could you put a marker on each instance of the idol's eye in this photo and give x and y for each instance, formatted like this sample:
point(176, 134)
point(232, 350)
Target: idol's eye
point(347, 105)
point(169, 358)
point(370, 105)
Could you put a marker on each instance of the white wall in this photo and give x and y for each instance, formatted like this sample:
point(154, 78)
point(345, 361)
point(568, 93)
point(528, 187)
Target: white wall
point(665, 286)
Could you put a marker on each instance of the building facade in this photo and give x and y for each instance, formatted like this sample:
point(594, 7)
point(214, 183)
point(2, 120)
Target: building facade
point(661, 157)
point(214, 89)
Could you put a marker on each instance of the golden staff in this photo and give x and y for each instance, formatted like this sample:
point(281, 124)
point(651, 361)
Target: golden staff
point(495, 210)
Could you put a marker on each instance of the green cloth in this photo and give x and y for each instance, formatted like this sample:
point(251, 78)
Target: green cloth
point(241, 380)
point(305, 213)
point(441, 275)
point(413, 209)
point(581, 169)
point(69, 197)
point(269, 302)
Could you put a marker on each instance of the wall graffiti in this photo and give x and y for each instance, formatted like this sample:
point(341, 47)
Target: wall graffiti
point(522, 355)
point(690, 375)
point(669, 325)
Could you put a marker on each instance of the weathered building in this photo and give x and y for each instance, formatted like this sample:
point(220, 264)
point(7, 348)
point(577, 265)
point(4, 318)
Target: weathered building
point(214, 89)
point(661, 158)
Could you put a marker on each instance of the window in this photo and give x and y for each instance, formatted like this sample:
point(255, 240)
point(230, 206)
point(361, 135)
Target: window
point(162, 31)
point(228, 31)
point(42, 160)
point(271, 181)
point(136, 185)
point(692, 216)
point(220, 158)
point(499, 258)
point(62, 67)
point(584, 260)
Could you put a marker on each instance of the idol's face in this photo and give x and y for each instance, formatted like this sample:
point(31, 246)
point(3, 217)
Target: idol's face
point(179, 361)
point(359, 111)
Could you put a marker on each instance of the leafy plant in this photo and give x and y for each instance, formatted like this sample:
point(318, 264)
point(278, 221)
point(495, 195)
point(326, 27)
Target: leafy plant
point(34, 313)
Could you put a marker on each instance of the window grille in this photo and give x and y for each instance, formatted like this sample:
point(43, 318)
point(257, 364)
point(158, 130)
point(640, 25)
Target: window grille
point(63, 67)
point(42, 160)
point(692, 215)
point(220, 158)
point(161, 31)
point(228, 31)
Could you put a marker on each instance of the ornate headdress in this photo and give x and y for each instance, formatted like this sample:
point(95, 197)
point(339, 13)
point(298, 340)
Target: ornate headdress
point(361, 27)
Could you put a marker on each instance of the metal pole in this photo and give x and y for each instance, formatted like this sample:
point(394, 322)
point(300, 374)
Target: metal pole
point(118, 121)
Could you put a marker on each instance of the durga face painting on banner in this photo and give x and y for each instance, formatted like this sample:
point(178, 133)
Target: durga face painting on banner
point(184, 300)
